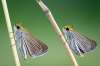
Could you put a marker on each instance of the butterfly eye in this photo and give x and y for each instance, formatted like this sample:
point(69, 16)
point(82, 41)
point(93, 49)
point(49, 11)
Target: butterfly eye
point(17, 27)
point(67, 28)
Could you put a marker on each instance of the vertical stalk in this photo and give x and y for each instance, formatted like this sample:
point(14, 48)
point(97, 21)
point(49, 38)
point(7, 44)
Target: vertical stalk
point(10, 31)
point(57, 29)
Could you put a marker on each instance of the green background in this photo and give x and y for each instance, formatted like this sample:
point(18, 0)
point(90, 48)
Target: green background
point(83, 14)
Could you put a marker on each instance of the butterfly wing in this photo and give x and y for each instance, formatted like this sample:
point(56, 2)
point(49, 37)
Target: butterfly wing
point(20, 42)
point(36, 47)
point(79, 44)
point(84, 43)
point(29, 45)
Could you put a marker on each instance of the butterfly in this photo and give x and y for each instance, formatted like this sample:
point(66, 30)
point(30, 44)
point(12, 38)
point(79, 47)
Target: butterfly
point(28, 45)
point(79, 43)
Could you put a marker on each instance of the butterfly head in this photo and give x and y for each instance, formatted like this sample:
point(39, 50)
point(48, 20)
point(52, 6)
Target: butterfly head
point(18, 26)
point(68, 27)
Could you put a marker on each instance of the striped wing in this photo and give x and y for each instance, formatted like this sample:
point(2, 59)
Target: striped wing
point(29, 45)
point(79, 44)
point(35, 46)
